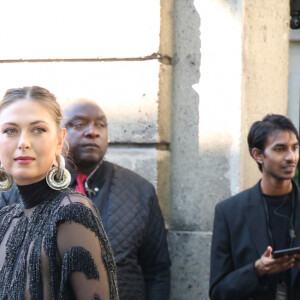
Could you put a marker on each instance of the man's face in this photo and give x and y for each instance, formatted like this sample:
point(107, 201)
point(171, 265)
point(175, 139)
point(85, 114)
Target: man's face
point(86, 134)
point(280, 156)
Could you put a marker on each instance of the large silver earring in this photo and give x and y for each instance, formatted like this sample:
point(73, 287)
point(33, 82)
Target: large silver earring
point(6, 180)
point(58, 178)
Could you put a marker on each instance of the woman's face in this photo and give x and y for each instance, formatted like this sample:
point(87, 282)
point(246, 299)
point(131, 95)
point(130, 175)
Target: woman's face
point(29, 141)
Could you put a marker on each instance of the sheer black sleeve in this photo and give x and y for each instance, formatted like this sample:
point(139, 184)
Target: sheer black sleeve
point(88, 268)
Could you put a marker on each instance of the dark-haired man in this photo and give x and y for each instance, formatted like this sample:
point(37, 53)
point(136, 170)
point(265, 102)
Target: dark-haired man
point(127, 203)
point(249, 226)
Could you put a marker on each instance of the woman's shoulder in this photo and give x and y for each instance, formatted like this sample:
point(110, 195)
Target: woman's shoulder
point(73, 206)
point(70, 197)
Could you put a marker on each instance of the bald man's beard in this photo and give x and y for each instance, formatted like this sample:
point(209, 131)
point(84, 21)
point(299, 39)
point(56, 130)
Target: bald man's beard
point(80, 165)
point(87, 164)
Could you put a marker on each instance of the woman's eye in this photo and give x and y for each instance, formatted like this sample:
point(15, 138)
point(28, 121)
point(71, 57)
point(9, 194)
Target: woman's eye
point(9, 131)
point(39, 130)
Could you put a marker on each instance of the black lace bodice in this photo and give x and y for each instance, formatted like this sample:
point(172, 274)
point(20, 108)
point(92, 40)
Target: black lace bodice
point(57, 250)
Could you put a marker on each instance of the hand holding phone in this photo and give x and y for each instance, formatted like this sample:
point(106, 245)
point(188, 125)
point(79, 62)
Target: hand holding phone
point(288, 251)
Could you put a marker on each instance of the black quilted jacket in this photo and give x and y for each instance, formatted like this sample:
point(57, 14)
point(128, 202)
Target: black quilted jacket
point(133, 222)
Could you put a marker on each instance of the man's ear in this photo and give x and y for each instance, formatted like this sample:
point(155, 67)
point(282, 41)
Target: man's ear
point(257, 154)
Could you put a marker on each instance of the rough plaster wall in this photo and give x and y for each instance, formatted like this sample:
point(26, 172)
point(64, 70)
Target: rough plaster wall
point(294, 77)
point(265, 70)
point(75, 29)
point(228, 71)
point(205, 133)
point(115, 52)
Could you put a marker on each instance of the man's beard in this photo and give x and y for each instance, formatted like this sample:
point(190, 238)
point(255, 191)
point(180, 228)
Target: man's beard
point(87, 164)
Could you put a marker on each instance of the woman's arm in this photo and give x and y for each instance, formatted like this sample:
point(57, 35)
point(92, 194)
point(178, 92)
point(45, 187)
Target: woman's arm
point(87, 261)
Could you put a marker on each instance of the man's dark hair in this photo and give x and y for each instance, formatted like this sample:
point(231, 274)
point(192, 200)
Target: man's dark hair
point(260, 130)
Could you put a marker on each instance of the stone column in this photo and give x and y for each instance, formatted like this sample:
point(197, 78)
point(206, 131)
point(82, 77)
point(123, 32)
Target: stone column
point(265, 71)
point(229, 69)
point(207, 69)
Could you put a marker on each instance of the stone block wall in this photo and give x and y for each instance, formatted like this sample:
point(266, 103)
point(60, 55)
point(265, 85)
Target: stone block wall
point(180, 82)
point(265, 70)
point(230, 62)
point(205, 133)
point(117, 53)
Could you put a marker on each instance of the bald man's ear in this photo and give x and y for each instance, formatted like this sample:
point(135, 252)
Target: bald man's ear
point(257, 154)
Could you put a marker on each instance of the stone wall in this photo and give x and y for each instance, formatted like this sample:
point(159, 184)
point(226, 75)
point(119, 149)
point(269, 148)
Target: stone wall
point(265, 70)
point(181, 81)
point(205, 133)
point(230, 68)
point(115, 52)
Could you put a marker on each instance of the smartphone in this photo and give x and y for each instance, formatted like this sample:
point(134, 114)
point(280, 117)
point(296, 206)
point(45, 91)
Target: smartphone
point(288, 251)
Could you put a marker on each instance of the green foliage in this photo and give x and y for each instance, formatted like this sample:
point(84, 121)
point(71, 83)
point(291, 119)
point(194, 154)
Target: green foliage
point(296, 177)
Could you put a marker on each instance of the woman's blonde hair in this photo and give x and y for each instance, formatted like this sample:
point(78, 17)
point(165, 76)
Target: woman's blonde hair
point(34, 93)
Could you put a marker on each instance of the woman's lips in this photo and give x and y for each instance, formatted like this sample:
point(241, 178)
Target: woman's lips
point(24, 160)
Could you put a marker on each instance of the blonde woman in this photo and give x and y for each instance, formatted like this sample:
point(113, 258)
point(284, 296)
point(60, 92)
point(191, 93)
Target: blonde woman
point(52, 245)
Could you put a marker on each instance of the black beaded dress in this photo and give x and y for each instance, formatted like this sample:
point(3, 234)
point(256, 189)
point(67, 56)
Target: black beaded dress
point(53, 246)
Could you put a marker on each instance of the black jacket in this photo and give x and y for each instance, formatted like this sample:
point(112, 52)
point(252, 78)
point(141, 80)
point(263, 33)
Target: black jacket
point(240, 237)
point(134, 225)
point(133, 222)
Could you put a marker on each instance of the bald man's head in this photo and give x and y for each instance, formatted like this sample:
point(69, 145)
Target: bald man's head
point(86, 133)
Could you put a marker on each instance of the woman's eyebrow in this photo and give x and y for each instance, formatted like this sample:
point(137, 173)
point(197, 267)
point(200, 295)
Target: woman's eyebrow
point(38, 121)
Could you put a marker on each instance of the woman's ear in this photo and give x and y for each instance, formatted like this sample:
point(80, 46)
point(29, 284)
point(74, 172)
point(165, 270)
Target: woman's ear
point(61, 140)
point(257, 154)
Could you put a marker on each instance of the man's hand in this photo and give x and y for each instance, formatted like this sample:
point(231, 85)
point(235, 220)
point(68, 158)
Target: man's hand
point(269, 265)
point(297, 261)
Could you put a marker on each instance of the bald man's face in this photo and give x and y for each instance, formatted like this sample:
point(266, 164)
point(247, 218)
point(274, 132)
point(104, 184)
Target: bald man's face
point(86, 134)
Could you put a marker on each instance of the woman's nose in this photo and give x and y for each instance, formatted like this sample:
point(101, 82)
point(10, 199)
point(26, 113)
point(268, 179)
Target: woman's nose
point(24, 142)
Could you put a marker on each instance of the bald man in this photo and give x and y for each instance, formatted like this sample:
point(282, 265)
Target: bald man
point(127, 203)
